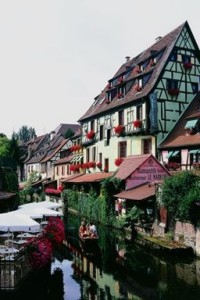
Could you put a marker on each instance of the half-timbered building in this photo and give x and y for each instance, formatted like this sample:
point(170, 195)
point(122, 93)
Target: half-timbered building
point(140, 104)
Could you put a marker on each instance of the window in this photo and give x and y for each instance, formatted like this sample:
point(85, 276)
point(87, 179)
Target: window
point(147, 146)
point(195, 87)
point(139, 115)
point(63, 170)
point(130, 115)
point(92, 125)
point(173, 56)
point(108, 137)
point(94, 153)
point(100, 157)
point(121, 117)
point(68, 170)
point(145, 78)
point(172, 84)
point(122, 149)
point(191, 124)
point(57, 171)
point(87, 155)
point(101, 132)
point(106, 164)
point(186, 58)
point(112, 94)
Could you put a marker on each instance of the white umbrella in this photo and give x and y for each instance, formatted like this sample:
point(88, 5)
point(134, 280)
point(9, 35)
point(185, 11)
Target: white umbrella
point(46, 204)
point(39, 212)
point(10, 222)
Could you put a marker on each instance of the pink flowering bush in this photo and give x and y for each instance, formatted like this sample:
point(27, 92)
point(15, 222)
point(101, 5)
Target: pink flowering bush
point(39, 251)
point(54, 231)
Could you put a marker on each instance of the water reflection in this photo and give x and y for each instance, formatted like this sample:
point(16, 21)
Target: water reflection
point(116, 269)
point(120, 269)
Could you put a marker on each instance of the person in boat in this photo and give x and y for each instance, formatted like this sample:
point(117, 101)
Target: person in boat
point(93, 230)
point(83, 232)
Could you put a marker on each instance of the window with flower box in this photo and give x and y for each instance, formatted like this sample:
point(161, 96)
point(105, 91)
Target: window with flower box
point(172, 87)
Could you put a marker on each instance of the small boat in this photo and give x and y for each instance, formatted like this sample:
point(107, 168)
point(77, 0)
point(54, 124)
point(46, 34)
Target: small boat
point(89, 243)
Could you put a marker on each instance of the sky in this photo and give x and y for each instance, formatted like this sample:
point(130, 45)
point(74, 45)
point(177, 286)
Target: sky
point(56, 56)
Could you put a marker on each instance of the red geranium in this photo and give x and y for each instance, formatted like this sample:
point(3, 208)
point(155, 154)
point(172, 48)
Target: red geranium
point(137, 123)
point(119, 129)
point(90, 135)
point(118, 161)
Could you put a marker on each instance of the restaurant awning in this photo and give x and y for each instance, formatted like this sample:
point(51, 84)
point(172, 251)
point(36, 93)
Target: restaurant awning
point(91, 177)
point(142, 192)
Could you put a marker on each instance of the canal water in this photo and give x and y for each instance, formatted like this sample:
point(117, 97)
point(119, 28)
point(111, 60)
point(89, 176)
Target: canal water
point(116, 268)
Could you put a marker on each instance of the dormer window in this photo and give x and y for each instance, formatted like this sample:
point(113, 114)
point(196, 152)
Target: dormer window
point(153, 62)
point(191, 124)
point(173, 56)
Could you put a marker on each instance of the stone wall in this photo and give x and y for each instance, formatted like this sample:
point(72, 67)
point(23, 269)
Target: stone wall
point(190, 235)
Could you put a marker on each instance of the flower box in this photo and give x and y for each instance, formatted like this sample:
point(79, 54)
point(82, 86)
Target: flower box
point(187, 65)
point(118, 161)
point(119, 129)
point(137, 124)
point(173, 92)
point(99, 165)
point(90, 135)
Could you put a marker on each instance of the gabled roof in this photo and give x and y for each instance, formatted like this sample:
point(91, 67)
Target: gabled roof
point(177, 136)
point(142, 192)
point(165, 46)
point(130, 164)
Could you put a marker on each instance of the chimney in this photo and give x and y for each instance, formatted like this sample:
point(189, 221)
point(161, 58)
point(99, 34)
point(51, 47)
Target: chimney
point(52, 134)
point(127, 58)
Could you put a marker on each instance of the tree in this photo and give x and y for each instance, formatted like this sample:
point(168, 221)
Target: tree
point(4, 146)
point(181, 195)
point(25, 134)
point(69, 133)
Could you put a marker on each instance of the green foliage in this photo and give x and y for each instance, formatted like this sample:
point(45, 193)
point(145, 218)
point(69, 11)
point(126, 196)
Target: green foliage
point(69, 133)
point(11, 182)
point(180, 194)
point(4, 147)
point(25, 133)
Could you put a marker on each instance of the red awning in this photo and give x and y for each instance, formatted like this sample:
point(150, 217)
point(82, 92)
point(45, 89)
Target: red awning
point(91, 177)
point(139, 193)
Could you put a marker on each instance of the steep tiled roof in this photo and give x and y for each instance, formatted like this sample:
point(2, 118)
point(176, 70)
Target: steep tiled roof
point(53, 151)
point(139, 193)
point(177, 136)
point(62, 128)
point(130, 164)
point(164, 45)
point(63, 160)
